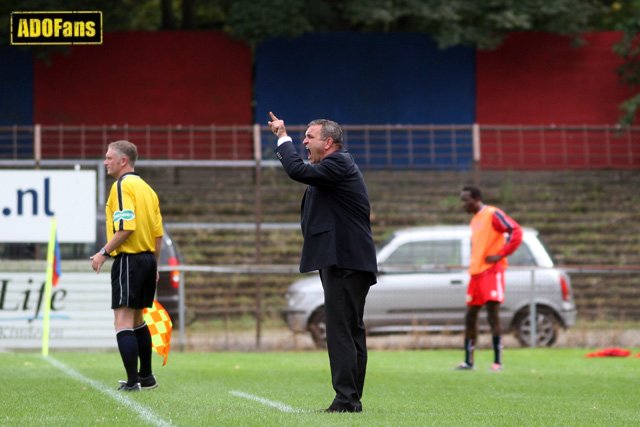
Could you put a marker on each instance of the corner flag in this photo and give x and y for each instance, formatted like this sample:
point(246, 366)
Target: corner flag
point(160, 327)
point(53, 274)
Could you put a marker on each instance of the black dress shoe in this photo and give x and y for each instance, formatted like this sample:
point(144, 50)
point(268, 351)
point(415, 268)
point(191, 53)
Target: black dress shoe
point(344, 407)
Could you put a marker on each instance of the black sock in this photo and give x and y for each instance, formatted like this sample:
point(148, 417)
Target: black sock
point(497, 349)
point(128, 347)
point(144, 349)
point(468, 351)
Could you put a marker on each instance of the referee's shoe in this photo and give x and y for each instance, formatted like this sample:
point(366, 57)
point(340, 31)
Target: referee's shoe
point(125, 387)
point(144, 383)
point(148, 383)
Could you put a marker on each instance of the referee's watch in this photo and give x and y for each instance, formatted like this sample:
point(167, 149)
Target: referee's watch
point(104, 252)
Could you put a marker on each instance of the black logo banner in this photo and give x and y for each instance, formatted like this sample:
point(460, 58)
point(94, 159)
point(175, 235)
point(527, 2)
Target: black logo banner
point(59, 28)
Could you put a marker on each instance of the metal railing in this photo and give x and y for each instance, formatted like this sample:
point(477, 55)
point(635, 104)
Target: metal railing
point(567, 147)
point(435, 147)
point(253, 277)
point(262, 270)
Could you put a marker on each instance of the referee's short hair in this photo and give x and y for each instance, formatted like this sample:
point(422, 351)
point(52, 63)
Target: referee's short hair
point(126, 148)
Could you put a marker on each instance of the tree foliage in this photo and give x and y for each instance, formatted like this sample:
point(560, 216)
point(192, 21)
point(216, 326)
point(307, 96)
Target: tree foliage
point(625, 16)
point(479, 23)
point(450, 22)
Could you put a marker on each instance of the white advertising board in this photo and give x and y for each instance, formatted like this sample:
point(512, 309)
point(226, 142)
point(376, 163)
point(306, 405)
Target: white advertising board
point(81, 315)
point(29, 199)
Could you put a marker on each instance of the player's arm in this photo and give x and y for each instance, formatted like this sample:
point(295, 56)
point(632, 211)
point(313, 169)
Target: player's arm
point(504, 224)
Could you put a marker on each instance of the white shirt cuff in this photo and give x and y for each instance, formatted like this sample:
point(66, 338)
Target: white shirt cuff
point(283, 140)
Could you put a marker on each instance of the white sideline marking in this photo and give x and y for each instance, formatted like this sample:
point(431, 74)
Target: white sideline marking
point(145, 413)
point(279, 406)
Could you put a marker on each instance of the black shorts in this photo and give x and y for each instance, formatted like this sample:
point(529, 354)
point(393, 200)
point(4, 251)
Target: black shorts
point(133, 280)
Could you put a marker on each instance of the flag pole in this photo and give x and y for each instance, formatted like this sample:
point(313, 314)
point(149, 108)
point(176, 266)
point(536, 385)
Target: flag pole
point(46, 314)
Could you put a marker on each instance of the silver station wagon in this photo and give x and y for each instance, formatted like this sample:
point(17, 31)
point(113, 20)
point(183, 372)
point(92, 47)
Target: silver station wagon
point(422, 288)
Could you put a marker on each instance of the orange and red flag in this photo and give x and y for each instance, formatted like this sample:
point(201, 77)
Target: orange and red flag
point(160, 327)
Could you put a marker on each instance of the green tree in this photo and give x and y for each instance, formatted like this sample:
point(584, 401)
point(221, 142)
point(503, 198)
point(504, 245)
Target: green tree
point(625, 16)
point(256, 20)
point(479, 23)
point(450, 22)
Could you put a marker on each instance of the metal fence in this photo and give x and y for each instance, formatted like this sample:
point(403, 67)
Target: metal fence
point(231, 291)
point(434, 147)
point(260, 274)
point(564, 147)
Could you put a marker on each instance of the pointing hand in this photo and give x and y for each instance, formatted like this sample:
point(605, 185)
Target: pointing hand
point(277, 126)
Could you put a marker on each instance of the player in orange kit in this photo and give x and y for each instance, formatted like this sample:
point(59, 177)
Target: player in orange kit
point(489, 251)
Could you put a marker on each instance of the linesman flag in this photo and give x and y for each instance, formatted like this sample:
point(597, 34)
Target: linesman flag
point(160, 327)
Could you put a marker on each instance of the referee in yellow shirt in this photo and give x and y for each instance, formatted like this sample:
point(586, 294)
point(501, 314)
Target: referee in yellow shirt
point(134, 239)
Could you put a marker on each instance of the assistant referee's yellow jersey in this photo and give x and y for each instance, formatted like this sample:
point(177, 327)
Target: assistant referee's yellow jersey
point(133, 205)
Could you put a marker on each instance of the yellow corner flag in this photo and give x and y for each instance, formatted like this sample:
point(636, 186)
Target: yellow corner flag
point(53, 252)
point(160, 327)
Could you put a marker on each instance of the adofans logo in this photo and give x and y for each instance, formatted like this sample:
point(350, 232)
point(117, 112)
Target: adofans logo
point(47, 28)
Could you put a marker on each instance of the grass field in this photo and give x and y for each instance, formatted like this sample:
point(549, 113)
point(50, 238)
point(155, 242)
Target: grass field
point(546, 387)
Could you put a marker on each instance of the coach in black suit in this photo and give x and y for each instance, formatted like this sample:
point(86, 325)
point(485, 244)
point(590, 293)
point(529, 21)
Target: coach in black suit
point(337, 242)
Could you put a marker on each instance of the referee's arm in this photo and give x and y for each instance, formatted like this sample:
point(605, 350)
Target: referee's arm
point(157, 254)
point(118, 238)
point(158, 248)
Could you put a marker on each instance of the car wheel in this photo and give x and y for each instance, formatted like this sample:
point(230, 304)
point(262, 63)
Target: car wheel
point(318, 328)
point(546, 328)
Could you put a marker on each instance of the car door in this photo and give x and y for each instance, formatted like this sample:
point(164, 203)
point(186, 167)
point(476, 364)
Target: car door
point(415, 290)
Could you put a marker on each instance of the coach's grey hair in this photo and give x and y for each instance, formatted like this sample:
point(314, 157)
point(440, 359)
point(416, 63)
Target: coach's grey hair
point(330, 129)
point(126, 148)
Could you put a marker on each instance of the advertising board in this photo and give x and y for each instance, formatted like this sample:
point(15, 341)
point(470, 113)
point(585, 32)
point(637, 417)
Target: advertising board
point(81, 315)
point(29, 199)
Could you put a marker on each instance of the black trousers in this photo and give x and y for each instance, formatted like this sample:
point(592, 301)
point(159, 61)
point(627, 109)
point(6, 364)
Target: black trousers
point(345, 292)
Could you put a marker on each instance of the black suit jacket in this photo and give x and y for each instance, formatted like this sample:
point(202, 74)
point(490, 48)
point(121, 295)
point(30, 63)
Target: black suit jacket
point(334, 213)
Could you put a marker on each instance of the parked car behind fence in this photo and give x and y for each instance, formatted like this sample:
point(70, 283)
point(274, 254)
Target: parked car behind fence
point(422, 286)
